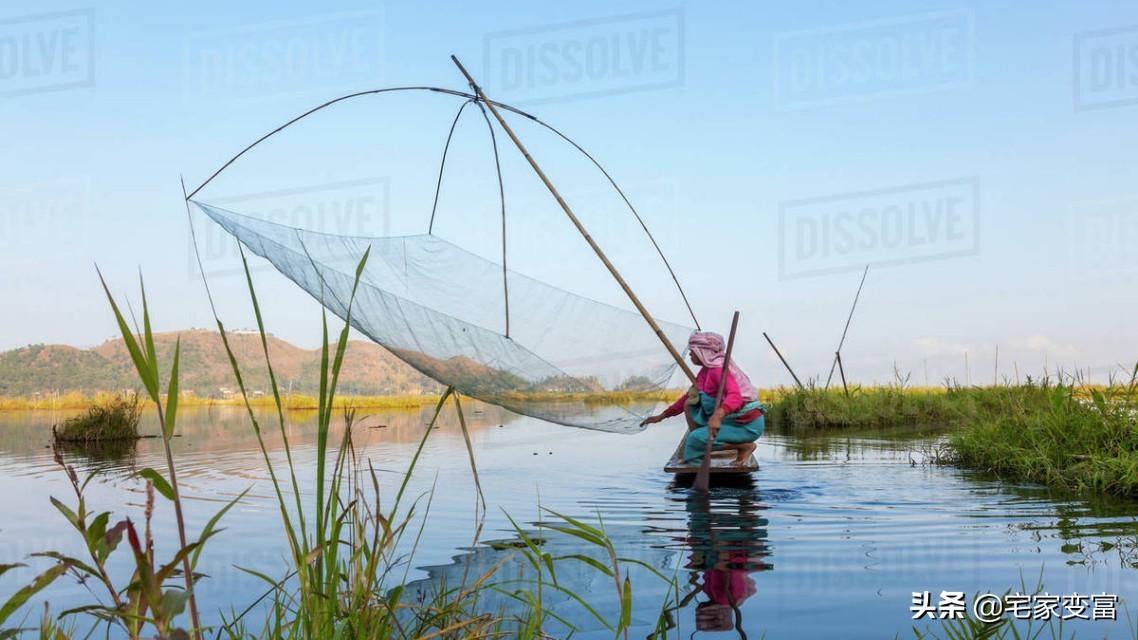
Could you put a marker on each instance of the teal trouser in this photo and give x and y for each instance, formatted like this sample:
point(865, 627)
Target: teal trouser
point(730, 432)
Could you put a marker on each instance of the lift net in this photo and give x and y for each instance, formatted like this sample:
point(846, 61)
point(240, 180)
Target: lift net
point(441, 309)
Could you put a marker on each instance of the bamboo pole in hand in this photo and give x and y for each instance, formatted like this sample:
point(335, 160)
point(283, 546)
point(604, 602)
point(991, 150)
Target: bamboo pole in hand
point(703, 477)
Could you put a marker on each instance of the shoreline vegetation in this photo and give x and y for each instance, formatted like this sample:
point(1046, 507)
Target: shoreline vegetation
point(79, 401)
point(806, 408)
point(1065, 434)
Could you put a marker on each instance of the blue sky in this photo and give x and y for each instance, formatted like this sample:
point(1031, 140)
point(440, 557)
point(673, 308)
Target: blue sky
point(979, 156)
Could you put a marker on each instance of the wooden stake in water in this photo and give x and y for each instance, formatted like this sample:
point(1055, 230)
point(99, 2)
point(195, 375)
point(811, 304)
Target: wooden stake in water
point(847, 328)
point(842, 372)
point(703, 477)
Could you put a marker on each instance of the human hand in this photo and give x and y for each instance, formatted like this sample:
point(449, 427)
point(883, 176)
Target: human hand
point(651, 420)
point(713, 423)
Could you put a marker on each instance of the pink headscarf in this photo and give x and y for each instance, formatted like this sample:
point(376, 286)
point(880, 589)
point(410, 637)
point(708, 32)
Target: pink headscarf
point(711, 351)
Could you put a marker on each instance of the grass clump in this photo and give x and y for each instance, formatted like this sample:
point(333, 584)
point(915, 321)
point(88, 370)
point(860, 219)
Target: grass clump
point(818, 408)
point(894, 405)
point(113, 418)
point(1058, 435)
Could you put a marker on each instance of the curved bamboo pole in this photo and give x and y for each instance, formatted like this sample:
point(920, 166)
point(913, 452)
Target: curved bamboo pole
point(472, 97)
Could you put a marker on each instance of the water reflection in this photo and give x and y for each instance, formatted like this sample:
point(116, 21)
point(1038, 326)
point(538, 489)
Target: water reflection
point(726, 544)
point(714, 543)
point(1091, 531)
point(107, 455)
point(851, 444)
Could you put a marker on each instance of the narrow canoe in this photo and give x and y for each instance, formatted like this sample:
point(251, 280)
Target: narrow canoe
point(720, 463)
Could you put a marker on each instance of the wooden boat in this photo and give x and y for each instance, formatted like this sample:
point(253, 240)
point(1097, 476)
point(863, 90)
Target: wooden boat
point(720, 464)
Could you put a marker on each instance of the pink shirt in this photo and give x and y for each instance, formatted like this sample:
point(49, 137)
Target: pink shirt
point(728, 586)
point(707, 381)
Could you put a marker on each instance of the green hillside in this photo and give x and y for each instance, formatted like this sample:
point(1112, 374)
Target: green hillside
point(204, 367)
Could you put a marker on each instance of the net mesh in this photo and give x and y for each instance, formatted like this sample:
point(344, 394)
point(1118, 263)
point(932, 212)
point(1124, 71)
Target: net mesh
point(442, 310)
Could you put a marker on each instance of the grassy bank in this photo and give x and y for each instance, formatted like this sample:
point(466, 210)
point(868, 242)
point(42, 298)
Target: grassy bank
point(1069, 436)
point(893, 406)
point(816, 408)
point(53, 402)
point(81, 401)
point(1060, 436)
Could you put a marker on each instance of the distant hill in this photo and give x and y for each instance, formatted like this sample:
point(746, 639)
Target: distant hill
point(204, 367)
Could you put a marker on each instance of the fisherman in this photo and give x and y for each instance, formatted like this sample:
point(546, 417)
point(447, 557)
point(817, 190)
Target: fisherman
point(739, 420)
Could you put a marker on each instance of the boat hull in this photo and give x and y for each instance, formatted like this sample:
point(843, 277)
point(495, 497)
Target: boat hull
point(721, 463)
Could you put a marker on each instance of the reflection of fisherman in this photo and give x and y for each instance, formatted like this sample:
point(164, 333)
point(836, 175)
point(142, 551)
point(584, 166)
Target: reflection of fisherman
point(739, 420)
point(726, 589)
point(728, 543)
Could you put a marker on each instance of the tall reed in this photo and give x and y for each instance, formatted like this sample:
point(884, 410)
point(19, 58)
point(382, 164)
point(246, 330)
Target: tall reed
point(348, 558)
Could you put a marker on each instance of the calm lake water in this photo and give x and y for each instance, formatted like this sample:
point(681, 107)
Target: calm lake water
point(831, 540)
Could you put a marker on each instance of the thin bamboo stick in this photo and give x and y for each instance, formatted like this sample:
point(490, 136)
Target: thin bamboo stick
point(996, 369)
point(838, 357)
point(784, 363)
point(470, 454)
point(847, 327)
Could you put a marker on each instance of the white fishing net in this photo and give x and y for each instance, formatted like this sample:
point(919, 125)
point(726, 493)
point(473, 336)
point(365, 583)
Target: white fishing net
point(443, 310)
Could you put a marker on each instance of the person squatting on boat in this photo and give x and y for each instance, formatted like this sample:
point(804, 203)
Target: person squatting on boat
point(739, 420)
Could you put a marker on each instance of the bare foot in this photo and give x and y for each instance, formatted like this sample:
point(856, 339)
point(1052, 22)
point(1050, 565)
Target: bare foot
point(745, 451)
